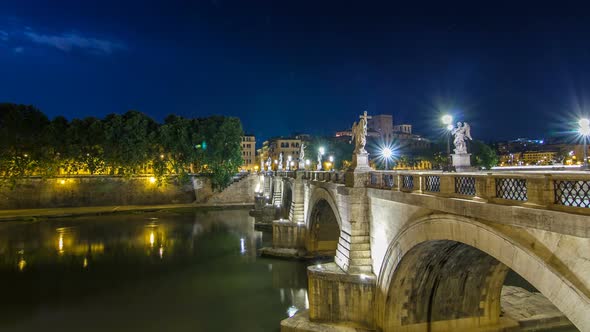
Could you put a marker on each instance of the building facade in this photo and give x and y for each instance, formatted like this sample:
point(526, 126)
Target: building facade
point(288, 146)
point(249, 153)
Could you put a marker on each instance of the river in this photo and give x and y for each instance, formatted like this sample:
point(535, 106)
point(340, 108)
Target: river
point(161, 271)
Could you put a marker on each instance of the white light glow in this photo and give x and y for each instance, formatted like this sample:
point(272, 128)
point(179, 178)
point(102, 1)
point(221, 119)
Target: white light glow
point(292, 311)
point(584, 127)
point(322, 150)
point(447, 119)
point(387, 153)
point(242, 246)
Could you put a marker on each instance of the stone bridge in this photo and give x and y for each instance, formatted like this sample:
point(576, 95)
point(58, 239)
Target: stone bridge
point(429, 251)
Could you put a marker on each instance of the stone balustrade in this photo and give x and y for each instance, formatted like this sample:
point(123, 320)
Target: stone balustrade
point(563, 191)
point(568, 192)
point(325, 176)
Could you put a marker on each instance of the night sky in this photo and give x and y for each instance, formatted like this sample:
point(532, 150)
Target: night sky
point(302, 66)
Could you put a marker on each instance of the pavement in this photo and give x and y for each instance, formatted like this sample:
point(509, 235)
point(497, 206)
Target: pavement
point(31, 214)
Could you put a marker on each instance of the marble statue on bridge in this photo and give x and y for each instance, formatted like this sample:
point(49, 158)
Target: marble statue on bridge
point(302, 155)
point(462, 131)
point(280, 166)
point(359, 133)
point(461, 159)
point(360, 157)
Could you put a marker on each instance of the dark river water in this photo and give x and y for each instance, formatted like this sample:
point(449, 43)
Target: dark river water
point(166, 271)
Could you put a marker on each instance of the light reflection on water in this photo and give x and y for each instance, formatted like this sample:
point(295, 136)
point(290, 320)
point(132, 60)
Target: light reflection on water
point(194, 271)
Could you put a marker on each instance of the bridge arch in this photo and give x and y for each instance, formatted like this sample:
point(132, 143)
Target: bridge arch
point(446, 272)
point(323, 223)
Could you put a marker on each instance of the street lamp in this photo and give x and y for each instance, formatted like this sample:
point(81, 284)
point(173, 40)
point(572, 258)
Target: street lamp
point(447, 120)
point(331, 162)
point(584, 130)
point(386, 154)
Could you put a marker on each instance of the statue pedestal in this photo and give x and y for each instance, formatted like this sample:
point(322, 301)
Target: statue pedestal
point(358, 173)
point(360, 162)
point(462, 162)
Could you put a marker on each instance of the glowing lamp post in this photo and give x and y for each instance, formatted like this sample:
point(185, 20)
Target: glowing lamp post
point(331, 159)
point(584, 130)
point(386, 154)
point(447, 120)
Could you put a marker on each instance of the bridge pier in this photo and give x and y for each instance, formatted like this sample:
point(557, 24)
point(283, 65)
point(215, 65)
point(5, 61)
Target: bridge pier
point(297, 209)
point(289, 236)
point(277, 194)
point(341, 294)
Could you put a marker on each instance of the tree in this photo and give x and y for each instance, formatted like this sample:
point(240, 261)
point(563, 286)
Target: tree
point(223, 154)
point(127, 144)
point(22, 144)
point(483, 155)
point(340, 150)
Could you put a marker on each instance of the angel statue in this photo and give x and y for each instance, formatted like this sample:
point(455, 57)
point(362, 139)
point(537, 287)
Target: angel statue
point(280, 161)
point(462, 131)
point(359, 134)
point(268, 164)
point(302, 152)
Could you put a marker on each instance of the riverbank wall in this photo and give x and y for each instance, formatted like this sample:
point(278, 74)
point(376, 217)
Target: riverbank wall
point(79, 191)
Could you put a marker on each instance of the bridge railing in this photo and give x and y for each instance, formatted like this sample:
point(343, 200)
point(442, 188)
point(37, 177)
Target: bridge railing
point(325, 176)
point(287, 174)
point(566, 191)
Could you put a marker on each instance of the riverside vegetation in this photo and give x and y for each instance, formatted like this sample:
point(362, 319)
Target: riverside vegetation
point(123, 145)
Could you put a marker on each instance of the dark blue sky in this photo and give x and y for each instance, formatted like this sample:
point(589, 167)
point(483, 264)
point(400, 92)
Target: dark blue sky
point(308, 66)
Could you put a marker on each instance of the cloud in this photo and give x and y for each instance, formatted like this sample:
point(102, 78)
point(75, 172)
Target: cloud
point(18, 49)
point(3, 35)
point(69, 41)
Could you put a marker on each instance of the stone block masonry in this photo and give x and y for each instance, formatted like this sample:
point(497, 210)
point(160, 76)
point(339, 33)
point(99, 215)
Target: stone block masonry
point(80, 191)
point(31, 193)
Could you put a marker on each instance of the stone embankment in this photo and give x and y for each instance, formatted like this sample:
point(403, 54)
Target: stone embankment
point(36, 197)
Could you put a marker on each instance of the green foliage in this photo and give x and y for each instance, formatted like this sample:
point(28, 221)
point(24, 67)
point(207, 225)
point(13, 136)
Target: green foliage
point(483, 155)
point(128, 144)
point(341, 151)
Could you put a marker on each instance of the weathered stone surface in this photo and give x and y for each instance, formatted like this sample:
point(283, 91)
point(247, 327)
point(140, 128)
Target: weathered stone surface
point(333, 292)
point(241, 191)
point(301, 323)
point(77, 191)
point(532, 311)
